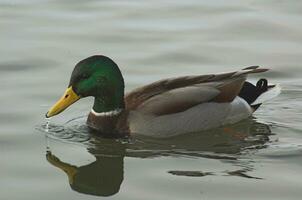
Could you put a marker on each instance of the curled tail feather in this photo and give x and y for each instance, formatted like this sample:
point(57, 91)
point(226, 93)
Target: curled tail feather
point(260, 93)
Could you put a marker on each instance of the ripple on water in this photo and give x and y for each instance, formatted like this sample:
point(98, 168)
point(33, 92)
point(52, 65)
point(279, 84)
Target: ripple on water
point(74, 131)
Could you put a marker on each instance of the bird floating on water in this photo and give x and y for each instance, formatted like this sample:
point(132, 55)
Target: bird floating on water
point(164, 108)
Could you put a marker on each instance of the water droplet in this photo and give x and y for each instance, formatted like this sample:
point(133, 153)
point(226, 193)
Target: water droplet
point(47, 125)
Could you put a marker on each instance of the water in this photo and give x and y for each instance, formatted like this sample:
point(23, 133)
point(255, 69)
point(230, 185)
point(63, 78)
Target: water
point(259, 158)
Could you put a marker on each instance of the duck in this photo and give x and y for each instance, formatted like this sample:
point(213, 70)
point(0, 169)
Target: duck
point(165, 108)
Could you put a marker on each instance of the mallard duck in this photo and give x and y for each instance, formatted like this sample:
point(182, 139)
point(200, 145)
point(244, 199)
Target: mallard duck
point(164, 108)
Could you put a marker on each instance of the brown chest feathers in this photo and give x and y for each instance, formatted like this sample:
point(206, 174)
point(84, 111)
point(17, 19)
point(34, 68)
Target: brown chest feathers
point(110, 124)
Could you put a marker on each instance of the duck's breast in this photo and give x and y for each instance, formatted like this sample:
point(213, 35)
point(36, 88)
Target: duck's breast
point(198, 118)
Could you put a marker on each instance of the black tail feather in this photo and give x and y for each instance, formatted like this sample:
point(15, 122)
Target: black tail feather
point(250, 92)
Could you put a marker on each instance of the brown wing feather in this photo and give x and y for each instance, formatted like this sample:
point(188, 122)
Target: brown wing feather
point(229, 85)
point(141, 94)
point(178, 100)
point(229, 90)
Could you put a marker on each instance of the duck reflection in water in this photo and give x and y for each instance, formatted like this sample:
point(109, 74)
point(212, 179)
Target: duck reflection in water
point(104, 176)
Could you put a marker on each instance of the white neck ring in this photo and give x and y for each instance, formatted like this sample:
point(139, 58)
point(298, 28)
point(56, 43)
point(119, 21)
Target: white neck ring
point(107, 114)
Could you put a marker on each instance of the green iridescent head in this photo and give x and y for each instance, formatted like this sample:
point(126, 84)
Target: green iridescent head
point(97, 76)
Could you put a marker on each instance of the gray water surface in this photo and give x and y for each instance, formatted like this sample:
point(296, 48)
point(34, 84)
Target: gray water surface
point(41, 41)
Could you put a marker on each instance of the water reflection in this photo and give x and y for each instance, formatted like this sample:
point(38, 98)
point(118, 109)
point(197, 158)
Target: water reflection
point(104, 176)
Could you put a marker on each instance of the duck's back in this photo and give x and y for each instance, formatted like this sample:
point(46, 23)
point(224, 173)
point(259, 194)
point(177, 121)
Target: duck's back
point(188, 104)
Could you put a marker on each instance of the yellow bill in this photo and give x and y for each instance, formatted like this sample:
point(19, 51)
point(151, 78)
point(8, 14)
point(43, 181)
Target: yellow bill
point(68, 98)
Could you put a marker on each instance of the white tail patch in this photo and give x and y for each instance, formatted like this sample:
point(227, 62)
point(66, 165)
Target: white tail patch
point(268, 95)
